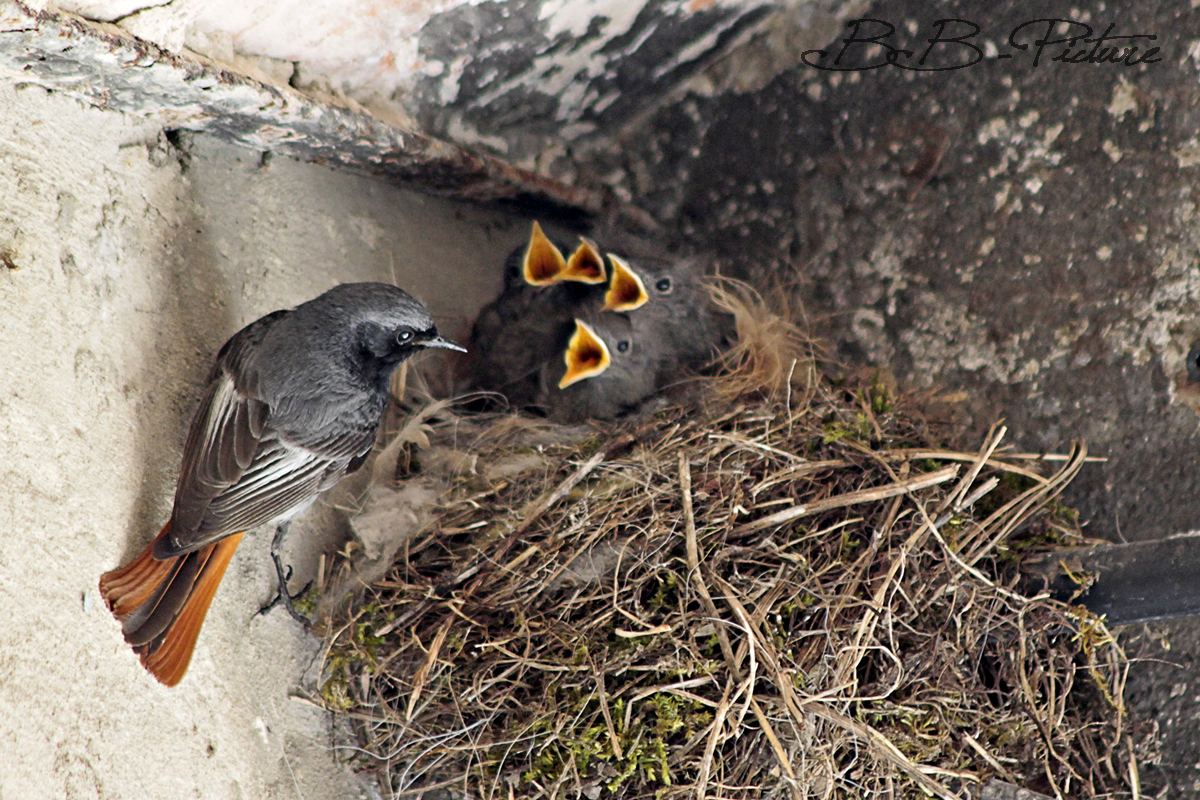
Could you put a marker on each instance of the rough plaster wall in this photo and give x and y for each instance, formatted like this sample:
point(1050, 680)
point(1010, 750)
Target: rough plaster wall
point(1011, 232)
point(128, 263)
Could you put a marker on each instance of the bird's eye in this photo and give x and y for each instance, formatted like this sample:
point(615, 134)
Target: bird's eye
point(404, 337)
point(623, 346)
point(1193, 363)
point(663, 286)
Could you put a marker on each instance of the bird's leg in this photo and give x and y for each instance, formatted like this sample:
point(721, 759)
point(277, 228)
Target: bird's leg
point(282, 595)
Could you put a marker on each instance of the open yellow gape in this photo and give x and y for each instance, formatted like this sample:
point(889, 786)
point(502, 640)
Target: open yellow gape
point(585, 265)
point(586, 355)
point(544, 263)
point(626, 292)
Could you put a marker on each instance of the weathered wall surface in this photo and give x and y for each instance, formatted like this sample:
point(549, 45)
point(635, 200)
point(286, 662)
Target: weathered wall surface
point(1024, 238)
point(1026, 235)
point(125, 263)
point(532, 80)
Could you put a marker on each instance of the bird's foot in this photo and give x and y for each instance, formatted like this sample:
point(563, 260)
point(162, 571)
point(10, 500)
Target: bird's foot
point(285, 598)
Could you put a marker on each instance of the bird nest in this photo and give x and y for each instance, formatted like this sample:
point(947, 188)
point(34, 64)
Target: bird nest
point(776, 587)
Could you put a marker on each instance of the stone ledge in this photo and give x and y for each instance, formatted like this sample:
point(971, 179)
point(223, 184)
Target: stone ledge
point(107, 67)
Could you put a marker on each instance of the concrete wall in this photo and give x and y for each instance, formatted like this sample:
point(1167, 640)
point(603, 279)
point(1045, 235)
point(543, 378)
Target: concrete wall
point(127, 263)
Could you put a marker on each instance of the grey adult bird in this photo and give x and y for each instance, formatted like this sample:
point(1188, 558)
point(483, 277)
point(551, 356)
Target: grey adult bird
point(292, 406)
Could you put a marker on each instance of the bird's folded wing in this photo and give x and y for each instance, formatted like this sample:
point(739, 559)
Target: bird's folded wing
point(238, 472)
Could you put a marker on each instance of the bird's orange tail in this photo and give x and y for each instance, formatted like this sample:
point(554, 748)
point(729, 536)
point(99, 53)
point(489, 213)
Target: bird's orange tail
point(161, 603)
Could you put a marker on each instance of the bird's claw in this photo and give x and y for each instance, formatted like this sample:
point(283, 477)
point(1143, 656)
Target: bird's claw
point(284, 597)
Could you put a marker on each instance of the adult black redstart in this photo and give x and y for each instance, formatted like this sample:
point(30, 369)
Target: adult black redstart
point(293, 405)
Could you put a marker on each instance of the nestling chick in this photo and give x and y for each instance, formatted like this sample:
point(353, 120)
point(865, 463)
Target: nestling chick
point(602, 372)
point(645, 325)
point(527, 324)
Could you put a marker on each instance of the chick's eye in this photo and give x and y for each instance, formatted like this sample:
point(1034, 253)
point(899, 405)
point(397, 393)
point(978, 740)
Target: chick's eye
point(404, 337)
point(623, 346)
point(663, 285)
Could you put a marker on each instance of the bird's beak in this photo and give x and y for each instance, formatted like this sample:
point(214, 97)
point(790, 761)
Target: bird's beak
point(585, 265)
point(626, 292)
point(586, 355)
point(544, 263)
point(443, 344)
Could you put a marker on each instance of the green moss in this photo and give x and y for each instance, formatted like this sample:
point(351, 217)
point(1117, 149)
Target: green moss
point(834, 432)
point(666, 594)
point(365, 637)
point(306, 603)
point(878, 397)
point(335, 690)
point(711, 647)
point(670, 713)
point(657, 721)
point(850, 543)
point(838, 430)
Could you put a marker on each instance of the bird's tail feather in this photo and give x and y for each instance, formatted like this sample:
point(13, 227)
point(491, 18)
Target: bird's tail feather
point(161, 603)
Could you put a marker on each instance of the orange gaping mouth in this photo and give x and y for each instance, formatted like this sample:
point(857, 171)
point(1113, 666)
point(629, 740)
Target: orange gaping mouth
point(544, 263)
point(585, 264)
point(586, 355)
point(626, 292)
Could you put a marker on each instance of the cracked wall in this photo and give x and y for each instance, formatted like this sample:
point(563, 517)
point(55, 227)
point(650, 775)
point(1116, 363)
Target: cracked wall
point(1023, 242)
point(1013, 233)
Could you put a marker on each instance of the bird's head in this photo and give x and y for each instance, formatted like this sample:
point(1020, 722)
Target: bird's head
point(603, 370)
point(387, 324)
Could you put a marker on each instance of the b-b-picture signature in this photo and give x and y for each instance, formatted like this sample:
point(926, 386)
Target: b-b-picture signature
point(959, 43)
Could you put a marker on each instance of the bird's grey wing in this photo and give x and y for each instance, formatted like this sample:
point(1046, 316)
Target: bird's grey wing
point(224, 437)
point(224, 441)
point(239, 472)
point(283, 477)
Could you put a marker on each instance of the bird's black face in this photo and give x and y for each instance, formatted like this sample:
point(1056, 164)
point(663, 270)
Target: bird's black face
point(383, 347)
point(405, 341)
point(389, 346)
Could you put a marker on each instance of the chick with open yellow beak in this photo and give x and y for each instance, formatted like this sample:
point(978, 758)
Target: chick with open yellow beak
point(585, 265)
point(586, 355)
point(626, 292)
point(543, 263)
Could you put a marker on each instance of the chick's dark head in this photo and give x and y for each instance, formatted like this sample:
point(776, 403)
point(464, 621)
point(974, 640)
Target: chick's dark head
point(602, 370)
point(647, 323)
